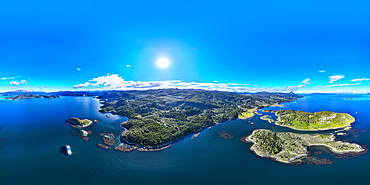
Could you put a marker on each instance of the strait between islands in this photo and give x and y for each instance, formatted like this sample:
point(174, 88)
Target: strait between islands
point(286, 147)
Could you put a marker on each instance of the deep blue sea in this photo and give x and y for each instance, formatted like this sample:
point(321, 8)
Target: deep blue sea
point(34, 130)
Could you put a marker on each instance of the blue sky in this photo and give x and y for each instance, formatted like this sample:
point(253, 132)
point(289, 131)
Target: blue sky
point(238, 46)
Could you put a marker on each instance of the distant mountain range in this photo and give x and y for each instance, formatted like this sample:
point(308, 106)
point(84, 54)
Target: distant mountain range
point(30, 96)
point(58, 93)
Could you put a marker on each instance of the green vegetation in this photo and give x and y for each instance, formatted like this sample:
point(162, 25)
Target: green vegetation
point(159, 117)
point(286, 146)
point(301, 120)
point(79, 122)
point(248, 114)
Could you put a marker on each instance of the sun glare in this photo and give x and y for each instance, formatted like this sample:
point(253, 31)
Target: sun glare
point(163, 63)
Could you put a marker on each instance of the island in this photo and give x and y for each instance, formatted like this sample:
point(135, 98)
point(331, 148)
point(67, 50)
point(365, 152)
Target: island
point(267, 118)
point(160, 117)
point(325, 120)
point(80, 122)
point(30, 96)
point(287, 147)
point(248, 114)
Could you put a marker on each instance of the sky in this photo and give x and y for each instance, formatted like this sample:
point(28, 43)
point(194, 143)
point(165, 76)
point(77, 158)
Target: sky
point(237, 46)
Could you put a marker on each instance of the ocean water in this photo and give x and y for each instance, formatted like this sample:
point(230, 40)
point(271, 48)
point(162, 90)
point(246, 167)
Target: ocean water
point(34, 131)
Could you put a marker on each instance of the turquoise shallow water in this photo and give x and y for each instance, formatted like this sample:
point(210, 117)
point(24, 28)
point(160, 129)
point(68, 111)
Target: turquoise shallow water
point(35, 129)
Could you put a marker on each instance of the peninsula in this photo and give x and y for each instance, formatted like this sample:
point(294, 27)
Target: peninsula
point(286, 147)
point(325, 120)
point(160, 117)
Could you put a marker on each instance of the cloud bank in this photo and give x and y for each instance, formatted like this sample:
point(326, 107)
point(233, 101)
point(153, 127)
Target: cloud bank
point(360, 80)
point(116, 82)
point(336, 85)
point(9, 78)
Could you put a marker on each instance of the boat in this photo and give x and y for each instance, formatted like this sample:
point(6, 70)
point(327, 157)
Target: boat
point(69, 151)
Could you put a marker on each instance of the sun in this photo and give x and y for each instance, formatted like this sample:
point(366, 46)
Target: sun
point(163, 63)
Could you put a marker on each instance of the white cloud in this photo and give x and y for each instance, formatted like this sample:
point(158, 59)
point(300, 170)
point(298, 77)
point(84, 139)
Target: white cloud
point(15, 83)
point(360, 80)
point(78, 69)
point(215, 81)
point(335, 78)
point(336, 85)
point(306, 81)
point(322, 71)
point(128, 65)
point(81, 85)
point(111, 80)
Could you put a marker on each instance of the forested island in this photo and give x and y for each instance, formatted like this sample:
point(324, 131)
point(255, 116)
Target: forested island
point(31, 95)
point(159, 117)
point(80, 122)
point(287, 147)
point(324, 120)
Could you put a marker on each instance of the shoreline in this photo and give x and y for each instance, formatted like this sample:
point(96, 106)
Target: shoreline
point(314, 129)
point(157, 148)
point(164, 146)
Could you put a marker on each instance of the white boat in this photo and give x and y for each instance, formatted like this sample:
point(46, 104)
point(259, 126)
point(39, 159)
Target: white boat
point(69, 151)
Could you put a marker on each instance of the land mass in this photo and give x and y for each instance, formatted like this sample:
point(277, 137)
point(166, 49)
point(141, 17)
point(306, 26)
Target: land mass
point(30, 96)
point(324, 120)
point(58, 93)
point(160, 117)
point(286, 147)
point(80, 122)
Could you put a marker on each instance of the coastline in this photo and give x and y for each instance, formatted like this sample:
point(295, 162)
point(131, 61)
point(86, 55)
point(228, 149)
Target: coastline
point(169, 144)
point(313, 129)
point(157, 148)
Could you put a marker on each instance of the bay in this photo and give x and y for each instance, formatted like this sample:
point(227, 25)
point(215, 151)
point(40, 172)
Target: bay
point(34, 130)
